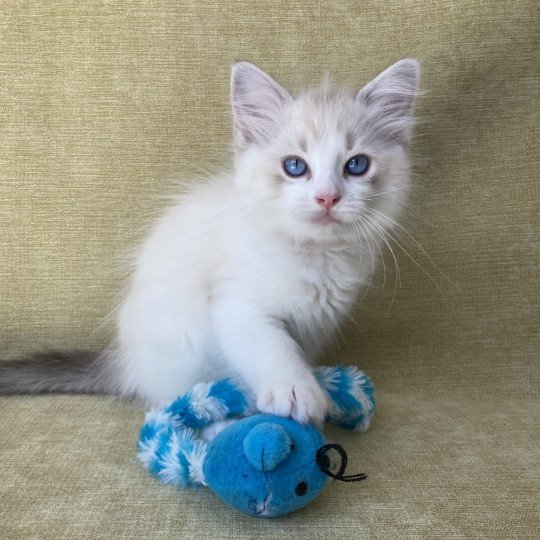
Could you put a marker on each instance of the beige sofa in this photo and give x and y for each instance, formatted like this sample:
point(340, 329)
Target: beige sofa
point(103, 104)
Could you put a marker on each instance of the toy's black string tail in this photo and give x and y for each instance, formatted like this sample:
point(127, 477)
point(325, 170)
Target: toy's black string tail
point(324, 463)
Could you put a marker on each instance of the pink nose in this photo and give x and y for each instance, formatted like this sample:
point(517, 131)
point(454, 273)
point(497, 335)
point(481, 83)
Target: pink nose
point(328, 199)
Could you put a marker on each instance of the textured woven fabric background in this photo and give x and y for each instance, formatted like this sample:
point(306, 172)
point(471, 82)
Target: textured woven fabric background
point(103, 104)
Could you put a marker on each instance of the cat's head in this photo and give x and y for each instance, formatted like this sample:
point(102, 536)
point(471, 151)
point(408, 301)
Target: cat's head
point(329, 162)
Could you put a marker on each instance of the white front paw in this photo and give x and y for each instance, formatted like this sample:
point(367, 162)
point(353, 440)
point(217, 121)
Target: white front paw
point(302, 399)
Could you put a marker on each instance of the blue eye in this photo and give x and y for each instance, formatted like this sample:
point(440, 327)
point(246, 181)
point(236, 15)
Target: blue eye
point(357, 165)
point(295, 166)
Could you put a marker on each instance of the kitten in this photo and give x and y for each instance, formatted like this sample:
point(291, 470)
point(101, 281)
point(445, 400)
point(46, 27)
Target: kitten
point(251, 273)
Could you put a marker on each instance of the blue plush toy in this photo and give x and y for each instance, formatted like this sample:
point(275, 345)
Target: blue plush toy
point(261, 464)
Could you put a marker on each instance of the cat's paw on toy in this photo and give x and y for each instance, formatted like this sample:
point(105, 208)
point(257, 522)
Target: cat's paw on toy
point(303, 400)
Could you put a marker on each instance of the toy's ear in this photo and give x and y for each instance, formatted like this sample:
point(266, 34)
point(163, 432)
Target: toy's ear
point(267, 445)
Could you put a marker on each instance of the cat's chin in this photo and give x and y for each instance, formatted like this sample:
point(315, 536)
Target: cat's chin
point(319, 230)
point(326, 220)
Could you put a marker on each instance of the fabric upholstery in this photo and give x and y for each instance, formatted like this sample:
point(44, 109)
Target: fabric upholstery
point(105, 104)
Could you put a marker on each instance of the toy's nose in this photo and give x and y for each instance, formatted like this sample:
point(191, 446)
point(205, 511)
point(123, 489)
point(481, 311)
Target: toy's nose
point(267, 445)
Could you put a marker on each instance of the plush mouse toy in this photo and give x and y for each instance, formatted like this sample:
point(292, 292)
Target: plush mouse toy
point(261, 464)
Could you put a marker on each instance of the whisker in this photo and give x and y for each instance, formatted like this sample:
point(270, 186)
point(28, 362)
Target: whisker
point(415, 262)
point(397, 278)
point(372, 261)
point(384, 216)
point(381, 254)
point(360, 243)
point(378, 193)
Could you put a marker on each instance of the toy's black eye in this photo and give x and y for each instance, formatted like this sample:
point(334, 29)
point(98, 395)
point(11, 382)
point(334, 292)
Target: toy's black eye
point(301, 489)
point(294, 166)
point(357, 165)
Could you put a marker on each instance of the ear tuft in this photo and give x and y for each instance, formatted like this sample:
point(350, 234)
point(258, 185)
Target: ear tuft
point(257, 102)
point(388, 100)
point(267, 445)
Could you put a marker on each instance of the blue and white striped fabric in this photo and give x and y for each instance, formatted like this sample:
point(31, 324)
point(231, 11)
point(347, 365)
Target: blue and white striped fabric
point(352, 396)
point(170, 444)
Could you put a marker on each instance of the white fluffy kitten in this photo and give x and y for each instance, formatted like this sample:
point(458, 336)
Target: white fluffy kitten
point(251, 274)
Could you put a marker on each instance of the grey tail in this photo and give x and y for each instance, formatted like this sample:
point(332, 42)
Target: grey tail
point(76, 372)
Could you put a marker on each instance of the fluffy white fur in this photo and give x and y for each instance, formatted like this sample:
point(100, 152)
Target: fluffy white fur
point(248, 273)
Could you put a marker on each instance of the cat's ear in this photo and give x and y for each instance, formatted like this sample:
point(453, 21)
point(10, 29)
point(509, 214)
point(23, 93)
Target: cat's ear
point(388, 100)
point(257, 102)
